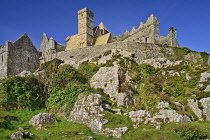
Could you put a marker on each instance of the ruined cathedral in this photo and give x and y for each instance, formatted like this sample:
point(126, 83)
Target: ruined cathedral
point(23, 56)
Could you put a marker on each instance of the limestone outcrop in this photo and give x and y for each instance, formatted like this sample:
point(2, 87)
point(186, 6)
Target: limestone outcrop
point(194, 107)
point(160, 62)
point(204, 76)
point(163, 116)
point(139, 115)
point(42, 118)
point(88, 110)
point(109, 79)
point(202, 111)
point(205, 102)
point(21, 135)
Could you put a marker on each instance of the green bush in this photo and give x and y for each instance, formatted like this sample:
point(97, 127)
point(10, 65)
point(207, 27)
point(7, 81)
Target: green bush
point(88, 69)
point(204, 56)
point(66, 74)
point(68, 95)
point(191, 131)
point(50, 69)
point(148, 69)
point(22, 93)
point(53, 64)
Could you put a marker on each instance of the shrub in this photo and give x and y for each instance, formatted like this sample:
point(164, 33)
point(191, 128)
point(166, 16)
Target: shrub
point(191, 131)
point(68, 95)
point(50, 69)
point(22, 93)
point(88, 69)
point(66, 74)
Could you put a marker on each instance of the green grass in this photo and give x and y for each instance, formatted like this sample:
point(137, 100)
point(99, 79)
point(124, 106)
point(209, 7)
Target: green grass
point(60, 130)
point(150, 134)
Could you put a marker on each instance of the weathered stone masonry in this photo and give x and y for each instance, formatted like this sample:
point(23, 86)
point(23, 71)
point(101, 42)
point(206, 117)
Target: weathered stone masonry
point(18, 56)
point(89, 42)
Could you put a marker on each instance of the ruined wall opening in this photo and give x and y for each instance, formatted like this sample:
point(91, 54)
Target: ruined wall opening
point(28, 59)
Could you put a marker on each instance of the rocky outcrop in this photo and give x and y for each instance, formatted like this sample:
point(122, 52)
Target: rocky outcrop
point(163, 105)
point(110, 79)
point(42, 118)
point(204, 76)
point(21, 135)
point(188, 77)
point(207, 89)
point(204, 110)
point(194, 107)
point(205, 102)
point(193, 57)
point(88, 110)
point(164, 116)
point(113, 52)
point(139, 115)
point(173, 116)
point(173, 73)
point(160, 62)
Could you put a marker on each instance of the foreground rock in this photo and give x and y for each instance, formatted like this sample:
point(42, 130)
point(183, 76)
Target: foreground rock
point(205, 102)
point(194, 107)
point(202, 111)
point(88, 110)
point(42, 118)
point(21, 135)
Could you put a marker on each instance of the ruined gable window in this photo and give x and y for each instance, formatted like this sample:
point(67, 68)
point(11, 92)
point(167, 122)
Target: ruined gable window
point(146, 39)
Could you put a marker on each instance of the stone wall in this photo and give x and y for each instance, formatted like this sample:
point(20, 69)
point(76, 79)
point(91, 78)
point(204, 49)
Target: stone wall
point(49, 46)
point(3, 60)
point(147, 33)
point(141, 51)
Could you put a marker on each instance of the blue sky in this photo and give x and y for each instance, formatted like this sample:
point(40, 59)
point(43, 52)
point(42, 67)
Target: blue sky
point(58, 18)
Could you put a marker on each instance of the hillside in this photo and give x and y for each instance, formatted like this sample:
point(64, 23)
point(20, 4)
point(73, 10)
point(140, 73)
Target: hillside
point(154, 92)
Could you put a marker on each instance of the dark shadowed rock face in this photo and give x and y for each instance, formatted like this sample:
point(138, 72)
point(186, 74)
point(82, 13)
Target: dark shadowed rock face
point(42, 118)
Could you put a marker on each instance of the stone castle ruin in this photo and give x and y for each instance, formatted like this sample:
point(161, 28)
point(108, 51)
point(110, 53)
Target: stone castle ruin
point(90, 41)
point(18, 56)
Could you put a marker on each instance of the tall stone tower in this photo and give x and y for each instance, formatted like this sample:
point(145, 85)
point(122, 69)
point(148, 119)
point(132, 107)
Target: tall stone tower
point(85, 27)
point(85, 31)
point(172, 37)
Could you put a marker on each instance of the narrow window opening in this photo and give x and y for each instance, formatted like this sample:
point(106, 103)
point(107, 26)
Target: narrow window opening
point(146, 40)
point(2, 58)
point(28, 60)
